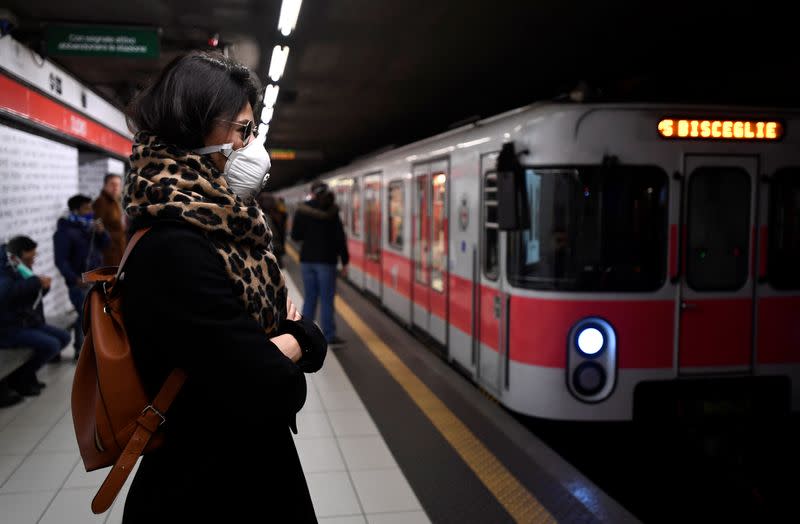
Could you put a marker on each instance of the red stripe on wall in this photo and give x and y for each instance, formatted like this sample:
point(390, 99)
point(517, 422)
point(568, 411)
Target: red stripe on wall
point(23, 101)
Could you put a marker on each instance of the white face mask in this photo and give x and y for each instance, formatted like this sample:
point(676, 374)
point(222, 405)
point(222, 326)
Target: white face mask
point(247, 169)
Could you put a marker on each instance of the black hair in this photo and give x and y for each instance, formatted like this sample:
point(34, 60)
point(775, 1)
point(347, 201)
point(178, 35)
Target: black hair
point(75, 202)
point(190, 93)
point(19, 244)
point(110, 175)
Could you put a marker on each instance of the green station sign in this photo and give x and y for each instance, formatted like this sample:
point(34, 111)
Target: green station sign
point(125, 42)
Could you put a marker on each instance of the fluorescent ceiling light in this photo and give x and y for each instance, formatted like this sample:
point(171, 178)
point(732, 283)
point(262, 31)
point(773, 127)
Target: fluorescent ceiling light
point(263, 129)
point(278, 62)
point(271, 95)
point(266, 115)
point(288, 18)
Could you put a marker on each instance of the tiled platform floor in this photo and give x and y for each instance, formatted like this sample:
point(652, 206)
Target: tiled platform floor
point(351, 473)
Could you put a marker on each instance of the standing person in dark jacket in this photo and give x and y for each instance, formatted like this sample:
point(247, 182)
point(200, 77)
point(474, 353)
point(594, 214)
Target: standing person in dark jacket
point(22, 321)
point(318, 225)
point(204, 293)
point(78, 243)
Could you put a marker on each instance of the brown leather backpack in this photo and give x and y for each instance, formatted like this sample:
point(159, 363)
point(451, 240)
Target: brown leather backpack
point(115, 422)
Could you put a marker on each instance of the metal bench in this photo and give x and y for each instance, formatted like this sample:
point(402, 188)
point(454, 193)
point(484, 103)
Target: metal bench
point(14, 357)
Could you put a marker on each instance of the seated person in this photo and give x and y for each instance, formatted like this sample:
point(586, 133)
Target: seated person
point(22, 322)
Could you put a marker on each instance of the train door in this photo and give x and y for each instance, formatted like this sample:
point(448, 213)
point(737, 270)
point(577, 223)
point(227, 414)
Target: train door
point(716, 302)
point(372, 234)
point(430, 249)
point(440, 241)
point(778, 290)
point(489, 297)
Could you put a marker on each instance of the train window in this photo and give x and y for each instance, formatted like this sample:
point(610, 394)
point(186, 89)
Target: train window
point(439, 239)
point(355, 209)
point(372, 219)
point(341, 200)
point(395, 214)
point(593, 228)
point(783, 258)
point(718, 226)
point(490, 257)
point(421, 230)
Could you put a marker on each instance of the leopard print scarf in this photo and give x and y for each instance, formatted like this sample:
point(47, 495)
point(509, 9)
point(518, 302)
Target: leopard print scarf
point(169, 183)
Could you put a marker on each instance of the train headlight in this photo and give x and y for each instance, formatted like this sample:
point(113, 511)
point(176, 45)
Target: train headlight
point(590, 341)
point(592, 359)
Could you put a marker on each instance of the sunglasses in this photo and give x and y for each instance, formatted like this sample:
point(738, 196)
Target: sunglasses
point(247, 129)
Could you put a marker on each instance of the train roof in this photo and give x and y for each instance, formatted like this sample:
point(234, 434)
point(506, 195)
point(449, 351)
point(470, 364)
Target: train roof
point(544, 109)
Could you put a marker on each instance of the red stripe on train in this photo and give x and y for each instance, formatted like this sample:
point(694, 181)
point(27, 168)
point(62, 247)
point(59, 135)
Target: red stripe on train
point(539, 330)
point(779, 330)
point(716, 333)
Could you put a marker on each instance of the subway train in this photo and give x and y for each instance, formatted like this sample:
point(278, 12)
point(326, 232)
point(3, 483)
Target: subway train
point(590, 262)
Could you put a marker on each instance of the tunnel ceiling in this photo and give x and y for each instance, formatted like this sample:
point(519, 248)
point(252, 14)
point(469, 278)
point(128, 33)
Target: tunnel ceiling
point(364, 75)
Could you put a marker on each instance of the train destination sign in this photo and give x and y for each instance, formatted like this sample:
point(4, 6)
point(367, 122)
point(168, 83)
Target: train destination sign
point(721, 129)
point(129, 42)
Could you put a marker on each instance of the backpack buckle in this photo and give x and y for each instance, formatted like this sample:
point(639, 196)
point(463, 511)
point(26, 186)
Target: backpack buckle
point(154, 410)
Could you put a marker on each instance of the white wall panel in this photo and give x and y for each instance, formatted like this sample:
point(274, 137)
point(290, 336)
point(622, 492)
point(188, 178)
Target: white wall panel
point(37, 176)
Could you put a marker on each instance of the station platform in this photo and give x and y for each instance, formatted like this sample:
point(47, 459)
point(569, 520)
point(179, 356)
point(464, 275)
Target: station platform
point(389, 434)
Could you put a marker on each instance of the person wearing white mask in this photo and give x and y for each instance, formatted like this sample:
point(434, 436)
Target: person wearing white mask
point(202, 291)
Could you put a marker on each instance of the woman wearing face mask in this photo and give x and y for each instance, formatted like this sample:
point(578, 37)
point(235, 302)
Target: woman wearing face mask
point(203, 292)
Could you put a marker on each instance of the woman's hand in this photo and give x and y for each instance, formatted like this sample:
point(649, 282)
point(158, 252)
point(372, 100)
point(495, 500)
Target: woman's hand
point(291, 310)
point(288, 346)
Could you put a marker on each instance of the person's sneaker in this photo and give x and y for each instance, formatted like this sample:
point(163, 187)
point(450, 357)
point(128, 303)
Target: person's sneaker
point(41, 384)
point(9, 397)
point(56, 358)
point(28, 390)
point(336, 341)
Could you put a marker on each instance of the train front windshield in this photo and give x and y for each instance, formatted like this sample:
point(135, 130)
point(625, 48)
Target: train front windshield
point(593, 228)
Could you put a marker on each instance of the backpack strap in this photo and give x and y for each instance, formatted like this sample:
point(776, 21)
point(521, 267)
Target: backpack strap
point(103, 274)
point(134, 239)
point(148, 423)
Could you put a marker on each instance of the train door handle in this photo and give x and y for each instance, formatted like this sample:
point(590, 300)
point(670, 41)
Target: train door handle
point(685, 306)
point(497, 307)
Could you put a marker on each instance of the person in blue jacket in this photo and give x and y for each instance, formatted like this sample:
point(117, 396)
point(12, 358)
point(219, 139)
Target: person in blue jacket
point(78, 245)
point(22, 322)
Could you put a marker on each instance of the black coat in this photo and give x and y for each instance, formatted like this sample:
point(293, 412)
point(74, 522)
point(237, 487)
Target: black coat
point(77, 249)
point(229, 455)
point(20, 298)
point(321, 233)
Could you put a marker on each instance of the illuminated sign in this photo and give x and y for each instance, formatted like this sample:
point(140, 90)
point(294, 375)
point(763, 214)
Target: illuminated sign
point(282, 154)
point(720, 129)
point(127, 42)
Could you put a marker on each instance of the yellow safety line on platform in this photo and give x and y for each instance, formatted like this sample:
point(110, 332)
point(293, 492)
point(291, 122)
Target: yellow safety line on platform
point(509, 492)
